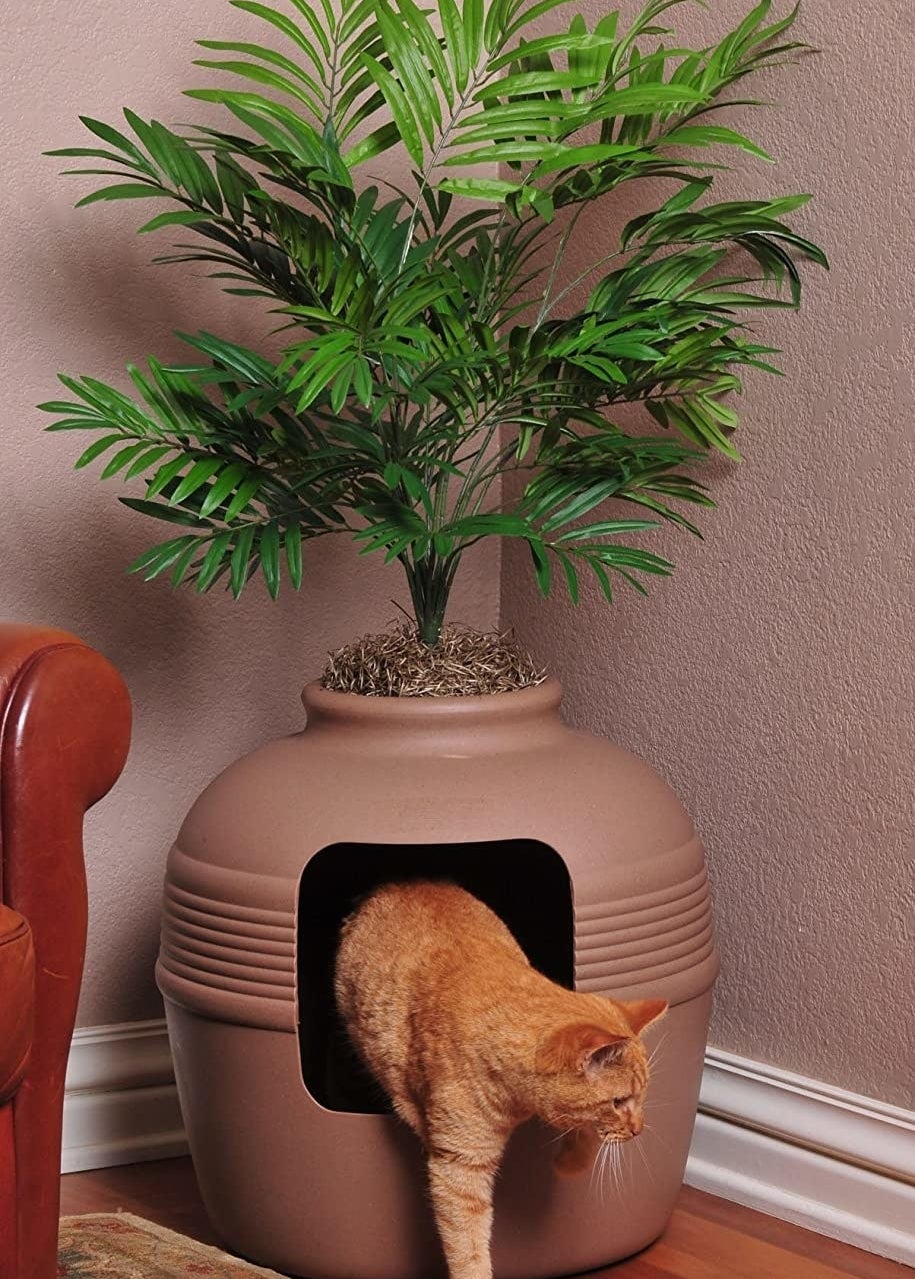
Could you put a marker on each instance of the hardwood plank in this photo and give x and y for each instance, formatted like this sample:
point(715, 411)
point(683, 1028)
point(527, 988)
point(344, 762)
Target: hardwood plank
point(694, 1249)
point(164, 1191)
point(643, 1266)
point(708, 1238)
point(843, 1256)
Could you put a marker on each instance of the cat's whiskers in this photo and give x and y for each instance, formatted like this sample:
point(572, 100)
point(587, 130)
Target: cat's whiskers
point(657, 1048)
point(656, 1136)
point(616, 1164)
point(606, 1166)
point(595, 1166)
point(616, 1167)
point(602, 1173)
point(644, 1158)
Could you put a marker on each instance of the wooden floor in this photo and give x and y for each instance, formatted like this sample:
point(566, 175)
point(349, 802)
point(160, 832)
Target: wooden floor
point(708, 1238)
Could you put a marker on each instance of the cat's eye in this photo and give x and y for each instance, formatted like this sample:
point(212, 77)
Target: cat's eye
point(621, 1101)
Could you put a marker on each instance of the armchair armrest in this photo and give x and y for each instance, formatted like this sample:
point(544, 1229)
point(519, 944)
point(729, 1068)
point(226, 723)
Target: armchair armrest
point(64, 734)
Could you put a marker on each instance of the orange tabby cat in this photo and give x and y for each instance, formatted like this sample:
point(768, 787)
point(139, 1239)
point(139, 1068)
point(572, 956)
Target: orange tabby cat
point(470, 1041)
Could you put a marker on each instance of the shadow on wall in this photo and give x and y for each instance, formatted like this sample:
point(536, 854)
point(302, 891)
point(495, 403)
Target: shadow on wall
point(210, 679)
point(73, 573)
point(105, 288)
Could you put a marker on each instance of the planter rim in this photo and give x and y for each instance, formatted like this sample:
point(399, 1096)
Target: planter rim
point(332, 706)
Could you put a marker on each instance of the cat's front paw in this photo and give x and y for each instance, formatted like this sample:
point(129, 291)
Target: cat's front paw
point(577, 1151)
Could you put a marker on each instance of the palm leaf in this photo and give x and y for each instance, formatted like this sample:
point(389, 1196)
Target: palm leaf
point(413, 372)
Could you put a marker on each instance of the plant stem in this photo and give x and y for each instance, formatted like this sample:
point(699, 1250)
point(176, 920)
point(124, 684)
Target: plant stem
point(557, 263)
point(430, 580)
point(480, 73)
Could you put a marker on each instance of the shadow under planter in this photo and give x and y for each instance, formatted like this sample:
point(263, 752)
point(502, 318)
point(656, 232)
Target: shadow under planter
point(575, 843)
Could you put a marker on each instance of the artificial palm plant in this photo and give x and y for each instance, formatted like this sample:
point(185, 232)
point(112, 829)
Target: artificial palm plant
point(426, 350)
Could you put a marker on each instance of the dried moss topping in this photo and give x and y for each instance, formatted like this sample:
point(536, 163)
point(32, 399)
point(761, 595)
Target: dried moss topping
point(463, 663)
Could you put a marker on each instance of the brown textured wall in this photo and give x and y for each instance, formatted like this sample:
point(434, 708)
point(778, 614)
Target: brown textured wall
point(209, 679)
point(772, 680)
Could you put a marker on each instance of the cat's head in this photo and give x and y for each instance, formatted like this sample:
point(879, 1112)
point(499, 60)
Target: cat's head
point(595, 1074)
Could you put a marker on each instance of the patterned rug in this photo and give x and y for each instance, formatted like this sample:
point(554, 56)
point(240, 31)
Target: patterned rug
point(110, 1245)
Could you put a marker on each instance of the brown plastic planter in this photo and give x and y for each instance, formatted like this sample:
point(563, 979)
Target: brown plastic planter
point(582, 849)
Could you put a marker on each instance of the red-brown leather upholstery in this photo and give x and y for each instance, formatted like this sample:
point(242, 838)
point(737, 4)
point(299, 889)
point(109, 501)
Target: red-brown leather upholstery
point(17, 1009)
point(64, 733)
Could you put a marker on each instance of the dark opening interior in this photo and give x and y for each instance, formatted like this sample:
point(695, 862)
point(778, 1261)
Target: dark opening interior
point(524, 881)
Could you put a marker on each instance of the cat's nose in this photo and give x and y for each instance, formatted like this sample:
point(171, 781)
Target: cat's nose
point(636, 1124)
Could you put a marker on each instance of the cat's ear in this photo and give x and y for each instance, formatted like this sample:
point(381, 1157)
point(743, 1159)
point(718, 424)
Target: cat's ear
point(606, 1054)
point(641, 1013)
point(581, 1047)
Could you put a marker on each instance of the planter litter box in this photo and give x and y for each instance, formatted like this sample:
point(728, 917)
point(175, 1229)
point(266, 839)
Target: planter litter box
point(578, 845)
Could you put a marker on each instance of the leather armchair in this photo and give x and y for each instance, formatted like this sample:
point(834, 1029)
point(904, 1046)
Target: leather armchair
point(64, 734)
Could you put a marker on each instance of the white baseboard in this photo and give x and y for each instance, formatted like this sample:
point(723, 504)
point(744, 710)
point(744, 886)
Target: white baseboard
point(829, 1160)
point(121, 1103)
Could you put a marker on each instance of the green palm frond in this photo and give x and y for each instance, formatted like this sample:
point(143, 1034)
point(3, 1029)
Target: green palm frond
point(427, 345)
